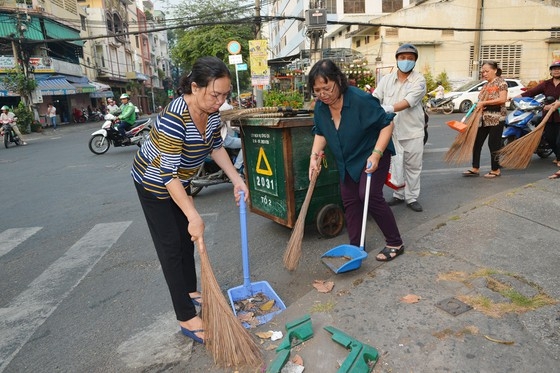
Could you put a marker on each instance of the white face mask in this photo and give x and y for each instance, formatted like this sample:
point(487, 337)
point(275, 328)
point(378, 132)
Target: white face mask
point(406, 65)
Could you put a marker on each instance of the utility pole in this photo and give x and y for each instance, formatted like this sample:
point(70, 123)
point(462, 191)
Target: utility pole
point(477, 39)
point(21, 60)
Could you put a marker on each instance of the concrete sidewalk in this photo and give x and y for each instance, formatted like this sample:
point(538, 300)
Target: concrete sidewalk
point(475, 254)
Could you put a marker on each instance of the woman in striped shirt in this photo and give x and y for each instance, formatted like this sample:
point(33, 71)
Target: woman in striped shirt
point(184, 134)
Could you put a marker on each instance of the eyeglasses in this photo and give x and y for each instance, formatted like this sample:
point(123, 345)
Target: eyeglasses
point(221, 97)
point(323, 91)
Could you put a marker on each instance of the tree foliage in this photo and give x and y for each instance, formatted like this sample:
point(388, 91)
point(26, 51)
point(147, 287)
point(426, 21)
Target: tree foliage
point(210, 39)
point(17, 82)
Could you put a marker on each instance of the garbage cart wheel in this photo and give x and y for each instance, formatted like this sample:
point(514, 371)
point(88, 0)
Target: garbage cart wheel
point(330, 220)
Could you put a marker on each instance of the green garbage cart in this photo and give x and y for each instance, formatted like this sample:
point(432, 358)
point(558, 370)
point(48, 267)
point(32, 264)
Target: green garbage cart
point(276, 155)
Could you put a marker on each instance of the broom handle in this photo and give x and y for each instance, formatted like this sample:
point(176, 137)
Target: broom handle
point(469, 112)
point(308, 195)
point(364, 216)
point(244, 243)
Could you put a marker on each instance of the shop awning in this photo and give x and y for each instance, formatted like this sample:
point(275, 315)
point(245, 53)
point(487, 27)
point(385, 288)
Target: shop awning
point(4, 92)
point(101, 94)
point(81, 84)
point(100, 86)
point(57, 86)
point(8, 27)
point(101, 90)
point(58, 31)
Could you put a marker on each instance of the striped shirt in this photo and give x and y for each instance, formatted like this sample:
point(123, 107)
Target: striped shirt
point(175, 149)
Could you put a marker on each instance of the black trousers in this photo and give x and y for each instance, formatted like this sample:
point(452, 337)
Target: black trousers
point(552, 137)
point(494, 134)
point(175, 250)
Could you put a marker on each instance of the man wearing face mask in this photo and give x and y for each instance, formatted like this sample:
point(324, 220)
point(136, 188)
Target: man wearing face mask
point(401, 92)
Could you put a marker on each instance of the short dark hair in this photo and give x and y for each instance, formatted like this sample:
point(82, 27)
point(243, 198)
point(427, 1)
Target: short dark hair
point(327, 70)
point(204, 70)
point(493, 65)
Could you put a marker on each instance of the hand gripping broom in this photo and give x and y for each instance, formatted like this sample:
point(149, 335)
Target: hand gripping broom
point(229, 342)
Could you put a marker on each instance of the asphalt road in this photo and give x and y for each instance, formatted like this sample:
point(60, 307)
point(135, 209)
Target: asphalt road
point(80, 286)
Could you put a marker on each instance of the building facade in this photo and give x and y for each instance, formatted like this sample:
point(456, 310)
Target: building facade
point(453, 38)
point(81, 52)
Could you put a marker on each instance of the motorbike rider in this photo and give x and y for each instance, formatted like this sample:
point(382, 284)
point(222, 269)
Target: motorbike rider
point(9, 117)
point(550, 87)
point(439, 94)
point(127, 116)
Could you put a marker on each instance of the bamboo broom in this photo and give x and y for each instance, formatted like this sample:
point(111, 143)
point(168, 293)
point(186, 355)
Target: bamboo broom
point(293, 250)
point(234, 114)
point(518, 153)
point(229, 342)
point(460, 150)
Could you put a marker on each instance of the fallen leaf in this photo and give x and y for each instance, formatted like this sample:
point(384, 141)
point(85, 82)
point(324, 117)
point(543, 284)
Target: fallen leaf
point(499, 341)
point(271, 347)
point(267, 306)
point(411, 298)
point(245, 316)
point(323, 286)
point(264, 335)
point(297, 360)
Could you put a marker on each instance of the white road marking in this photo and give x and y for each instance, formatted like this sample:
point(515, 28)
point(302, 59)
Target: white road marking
point(26, 313)
point(12, 237)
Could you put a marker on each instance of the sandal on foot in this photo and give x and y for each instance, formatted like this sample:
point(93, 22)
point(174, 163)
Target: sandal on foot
point(492, 175)
point(197, 301)
point(554, 176)
point(387, 251)
point(192, 334)
point(469, 173)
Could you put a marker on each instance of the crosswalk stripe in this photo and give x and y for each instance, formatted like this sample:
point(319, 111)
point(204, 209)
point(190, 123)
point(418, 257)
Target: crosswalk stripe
point(12, 237)
point(22, 316)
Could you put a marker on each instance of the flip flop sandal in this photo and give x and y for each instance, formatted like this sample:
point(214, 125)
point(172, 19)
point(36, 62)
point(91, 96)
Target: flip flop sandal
point(197, 301)
point(492, 175)
point(192, 334)
point(387, 251)
point(555, 176)
point(470, 173)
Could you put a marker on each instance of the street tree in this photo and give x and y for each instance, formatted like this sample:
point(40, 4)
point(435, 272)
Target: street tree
point(217, 23)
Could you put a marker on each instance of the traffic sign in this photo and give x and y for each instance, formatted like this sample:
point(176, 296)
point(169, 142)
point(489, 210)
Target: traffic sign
point(235, 59)
point(234, 47)
point(242, 67)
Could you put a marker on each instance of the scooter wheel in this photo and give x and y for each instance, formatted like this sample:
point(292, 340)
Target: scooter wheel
point(99, 144)
point(448, 108)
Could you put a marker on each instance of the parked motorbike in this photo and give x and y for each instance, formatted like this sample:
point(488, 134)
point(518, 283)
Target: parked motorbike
point(79, 116)
point(444, 105)
point(102, 139)
point(95, 116)
point(526, 116)
point(9, 134)
point(211, 174)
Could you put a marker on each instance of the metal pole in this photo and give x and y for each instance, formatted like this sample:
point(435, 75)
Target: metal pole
point(238, 92)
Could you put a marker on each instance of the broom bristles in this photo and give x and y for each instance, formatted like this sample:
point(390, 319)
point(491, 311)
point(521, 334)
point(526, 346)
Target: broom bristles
point(518, 154)
point(293, 250)
point(234, 114)
point(460, 150)
point(225, 337)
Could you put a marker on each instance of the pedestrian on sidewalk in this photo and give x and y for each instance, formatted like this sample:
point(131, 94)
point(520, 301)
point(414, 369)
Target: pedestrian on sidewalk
point(358, 133)
point(51, 115)
point(401, 92)
point(492, 101)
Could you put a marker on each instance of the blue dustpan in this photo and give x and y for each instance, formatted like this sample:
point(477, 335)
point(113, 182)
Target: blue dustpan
point(250, 289)
point(346, 258)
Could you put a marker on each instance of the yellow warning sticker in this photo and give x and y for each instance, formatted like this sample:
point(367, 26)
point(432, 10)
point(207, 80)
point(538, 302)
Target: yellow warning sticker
point(266, 170)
